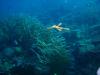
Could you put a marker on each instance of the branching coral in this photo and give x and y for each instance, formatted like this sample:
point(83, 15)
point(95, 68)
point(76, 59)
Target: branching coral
point(37, 45)
point(53, 51)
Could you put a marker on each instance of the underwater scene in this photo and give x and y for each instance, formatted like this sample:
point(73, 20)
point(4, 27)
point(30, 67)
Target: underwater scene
point(49, 37)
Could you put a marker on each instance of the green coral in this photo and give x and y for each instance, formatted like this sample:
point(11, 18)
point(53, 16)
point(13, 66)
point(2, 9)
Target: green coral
point(53, 51)
point(27, 34)
point(6, 65)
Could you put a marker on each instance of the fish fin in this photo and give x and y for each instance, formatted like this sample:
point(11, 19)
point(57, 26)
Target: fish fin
point(59, 24)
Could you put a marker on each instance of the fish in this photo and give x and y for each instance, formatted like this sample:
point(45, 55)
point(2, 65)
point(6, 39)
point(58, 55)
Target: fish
point(58, 27)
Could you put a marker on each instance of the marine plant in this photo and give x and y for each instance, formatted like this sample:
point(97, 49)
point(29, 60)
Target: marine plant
point(33, 44)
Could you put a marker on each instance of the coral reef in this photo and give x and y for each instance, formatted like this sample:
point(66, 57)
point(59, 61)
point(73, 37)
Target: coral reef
point(24, 41)
point(27, 47)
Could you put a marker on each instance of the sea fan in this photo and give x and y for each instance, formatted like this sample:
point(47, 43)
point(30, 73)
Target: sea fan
point(33, 44)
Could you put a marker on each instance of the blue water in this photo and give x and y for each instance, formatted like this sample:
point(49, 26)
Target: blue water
point(51, 10)
point(30, 45)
